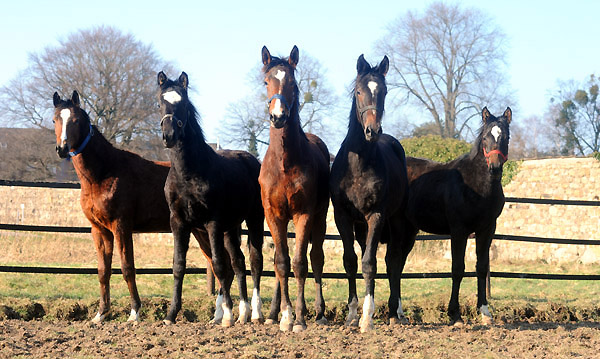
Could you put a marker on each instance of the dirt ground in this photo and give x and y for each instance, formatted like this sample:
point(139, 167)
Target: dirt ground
point(79, 339)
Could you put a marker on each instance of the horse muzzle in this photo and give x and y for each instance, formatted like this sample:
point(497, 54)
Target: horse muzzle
point(372, 133)
point(62, 151)
point(278, 121)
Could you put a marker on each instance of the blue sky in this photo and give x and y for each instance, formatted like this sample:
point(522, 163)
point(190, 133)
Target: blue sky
point(218, 43)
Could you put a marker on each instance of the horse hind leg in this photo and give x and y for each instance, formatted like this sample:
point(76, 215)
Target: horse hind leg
point(317, 261)
point(346, 229)
point(125, 242)
point(303, 224)
point(103, 241)
point(255, 244)
point(238, 263)
point(369, 269)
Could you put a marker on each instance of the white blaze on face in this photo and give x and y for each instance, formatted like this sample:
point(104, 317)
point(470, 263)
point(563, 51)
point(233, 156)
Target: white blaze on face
point(372, 86)
point(172, 97)
point(280, 75)
point(277, 108)
point(496, 132)
point(64, 114)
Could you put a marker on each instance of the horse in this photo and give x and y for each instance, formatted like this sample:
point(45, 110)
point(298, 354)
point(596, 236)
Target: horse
point(369, 189)
point(294, 186)
point(121, 193)
point(461, 197)
point(214, 191)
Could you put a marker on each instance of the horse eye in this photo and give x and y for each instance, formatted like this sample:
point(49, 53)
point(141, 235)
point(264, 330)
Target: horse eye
point(265, 83)
point(358, 92)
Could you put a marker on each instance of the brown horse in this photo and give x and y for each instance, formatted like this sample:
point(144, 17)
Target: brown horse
point(121, 193)
point(294, 186)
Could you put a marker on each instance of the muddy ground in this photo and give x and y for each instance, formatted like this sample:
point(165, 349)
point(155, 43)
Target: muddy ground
point(81, 339)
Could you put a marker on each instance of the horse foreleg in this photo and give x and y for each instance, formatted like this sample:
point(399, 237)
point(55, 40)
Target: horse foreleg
point(278, 229)
point(317, 261)
point(369, 268)
point(458, 244)
point(483, 242)
point(221, 269)
point(255, 244)
point(181, 242)
point(238, 263)
point(302, 224)
point(103, 241)
point(124, 241)
point(345, 228)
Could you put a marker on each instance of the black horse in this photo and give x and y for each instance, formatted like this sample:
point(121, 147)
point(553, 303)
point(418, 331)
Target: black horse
point(461, 197)
point(214, 191)
point(369, 189)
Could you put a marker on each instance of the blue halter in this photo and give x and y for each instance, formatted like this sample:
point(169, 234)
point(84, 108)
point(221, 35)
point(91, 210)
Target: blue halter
point(84, 143)
point(281, 98)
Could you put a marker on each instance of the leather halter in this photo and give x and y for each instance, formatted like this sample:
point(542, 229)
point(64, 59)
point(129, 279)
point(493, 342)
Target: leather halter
point(83, 144)
point(171, 116)
point(362, 110)
point(488, 154)
point(281, 98)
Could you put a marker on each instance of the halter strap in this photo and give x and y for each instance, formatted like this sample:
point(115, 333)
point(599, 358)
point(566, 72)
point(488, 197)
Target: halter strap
point(488, 154)
point(171, 116)
point(84, 143)
point(362, 110)
point(281, 98)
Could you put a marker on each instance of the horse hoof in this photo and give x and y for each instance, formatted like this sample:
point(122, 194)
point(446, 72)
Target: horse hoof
point(458, 323)
point(168, 322)
point(99, 318)
point(352, 323)
point(133, 317)
point(258, 320)
point(226, 323)
point(398, 321)
point(270, 321)
point(285, 327)
point(485, 320)
point(366, 328)
point(322, 321)
point(299, 328)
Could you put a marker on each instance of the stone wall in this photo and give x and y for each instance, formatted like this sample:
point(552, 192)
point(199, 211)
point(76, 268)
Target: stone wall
point(565, 178)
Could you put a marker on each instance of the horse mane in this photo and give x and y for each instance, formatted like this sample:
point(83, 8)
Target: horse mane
point(193, 120)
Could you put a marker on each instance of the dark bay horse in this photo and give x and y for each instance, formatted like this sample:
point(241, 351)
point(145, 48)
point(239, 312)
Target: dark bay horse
point(294, 181)
point(461, 197)
point(121, 193)
point(214, 191)
point(369, 190)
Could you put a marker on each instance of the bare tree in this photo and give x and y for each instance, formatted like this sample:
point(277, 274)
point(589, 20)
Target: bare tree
point(575, 112)
point(113, 72)
point(449, 61)
point(248, 118)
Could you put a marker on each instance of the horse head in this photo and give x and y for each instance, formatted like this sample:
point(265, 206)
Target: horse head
point(173, 101)
point(72, 126)
point(494, 141)
point(369, 93)
point(282, 89)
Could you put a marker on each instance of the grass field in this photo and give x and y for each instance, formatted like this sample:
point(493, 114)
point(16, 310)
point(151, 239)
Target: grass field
point(64, 295)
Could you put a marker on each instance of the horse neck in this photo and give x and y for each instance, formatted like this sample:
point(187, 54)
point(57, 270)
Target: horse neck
point(94, 162)
point(289, 140)
point(192, 155)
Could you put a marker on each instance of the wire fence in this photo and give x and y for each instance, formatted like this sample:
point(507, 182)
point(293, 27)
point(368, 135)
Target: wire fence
point(427, 237)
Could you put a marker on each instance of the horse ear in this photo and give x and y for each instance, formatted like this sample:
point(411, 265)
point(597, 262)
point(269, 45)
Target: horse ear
point(75, 98)
point(294, 55)
point(485, 114)
point(266, 56)
point(508, 114)
point(362, 65)
point(384, 65)
point(183, 80)
point(56, 99)
point(161, 78)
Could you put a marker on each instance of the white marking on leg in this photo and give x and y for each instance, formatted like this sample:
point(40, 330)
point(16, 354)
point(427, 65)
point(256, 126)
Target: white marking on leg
point(372, 86)
point(99, 318)
point(65, 114)
point(366, 321)
point(227, 316)
point(244, 312)
point(277, 110)
point(218, 310)
point(496, 131)
point(286, 319)
point(400, 312)
point(280, 75)
point(172, 97)
point(485, 311)
point(133, 316)
point(352, 312)
point(256, 306)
